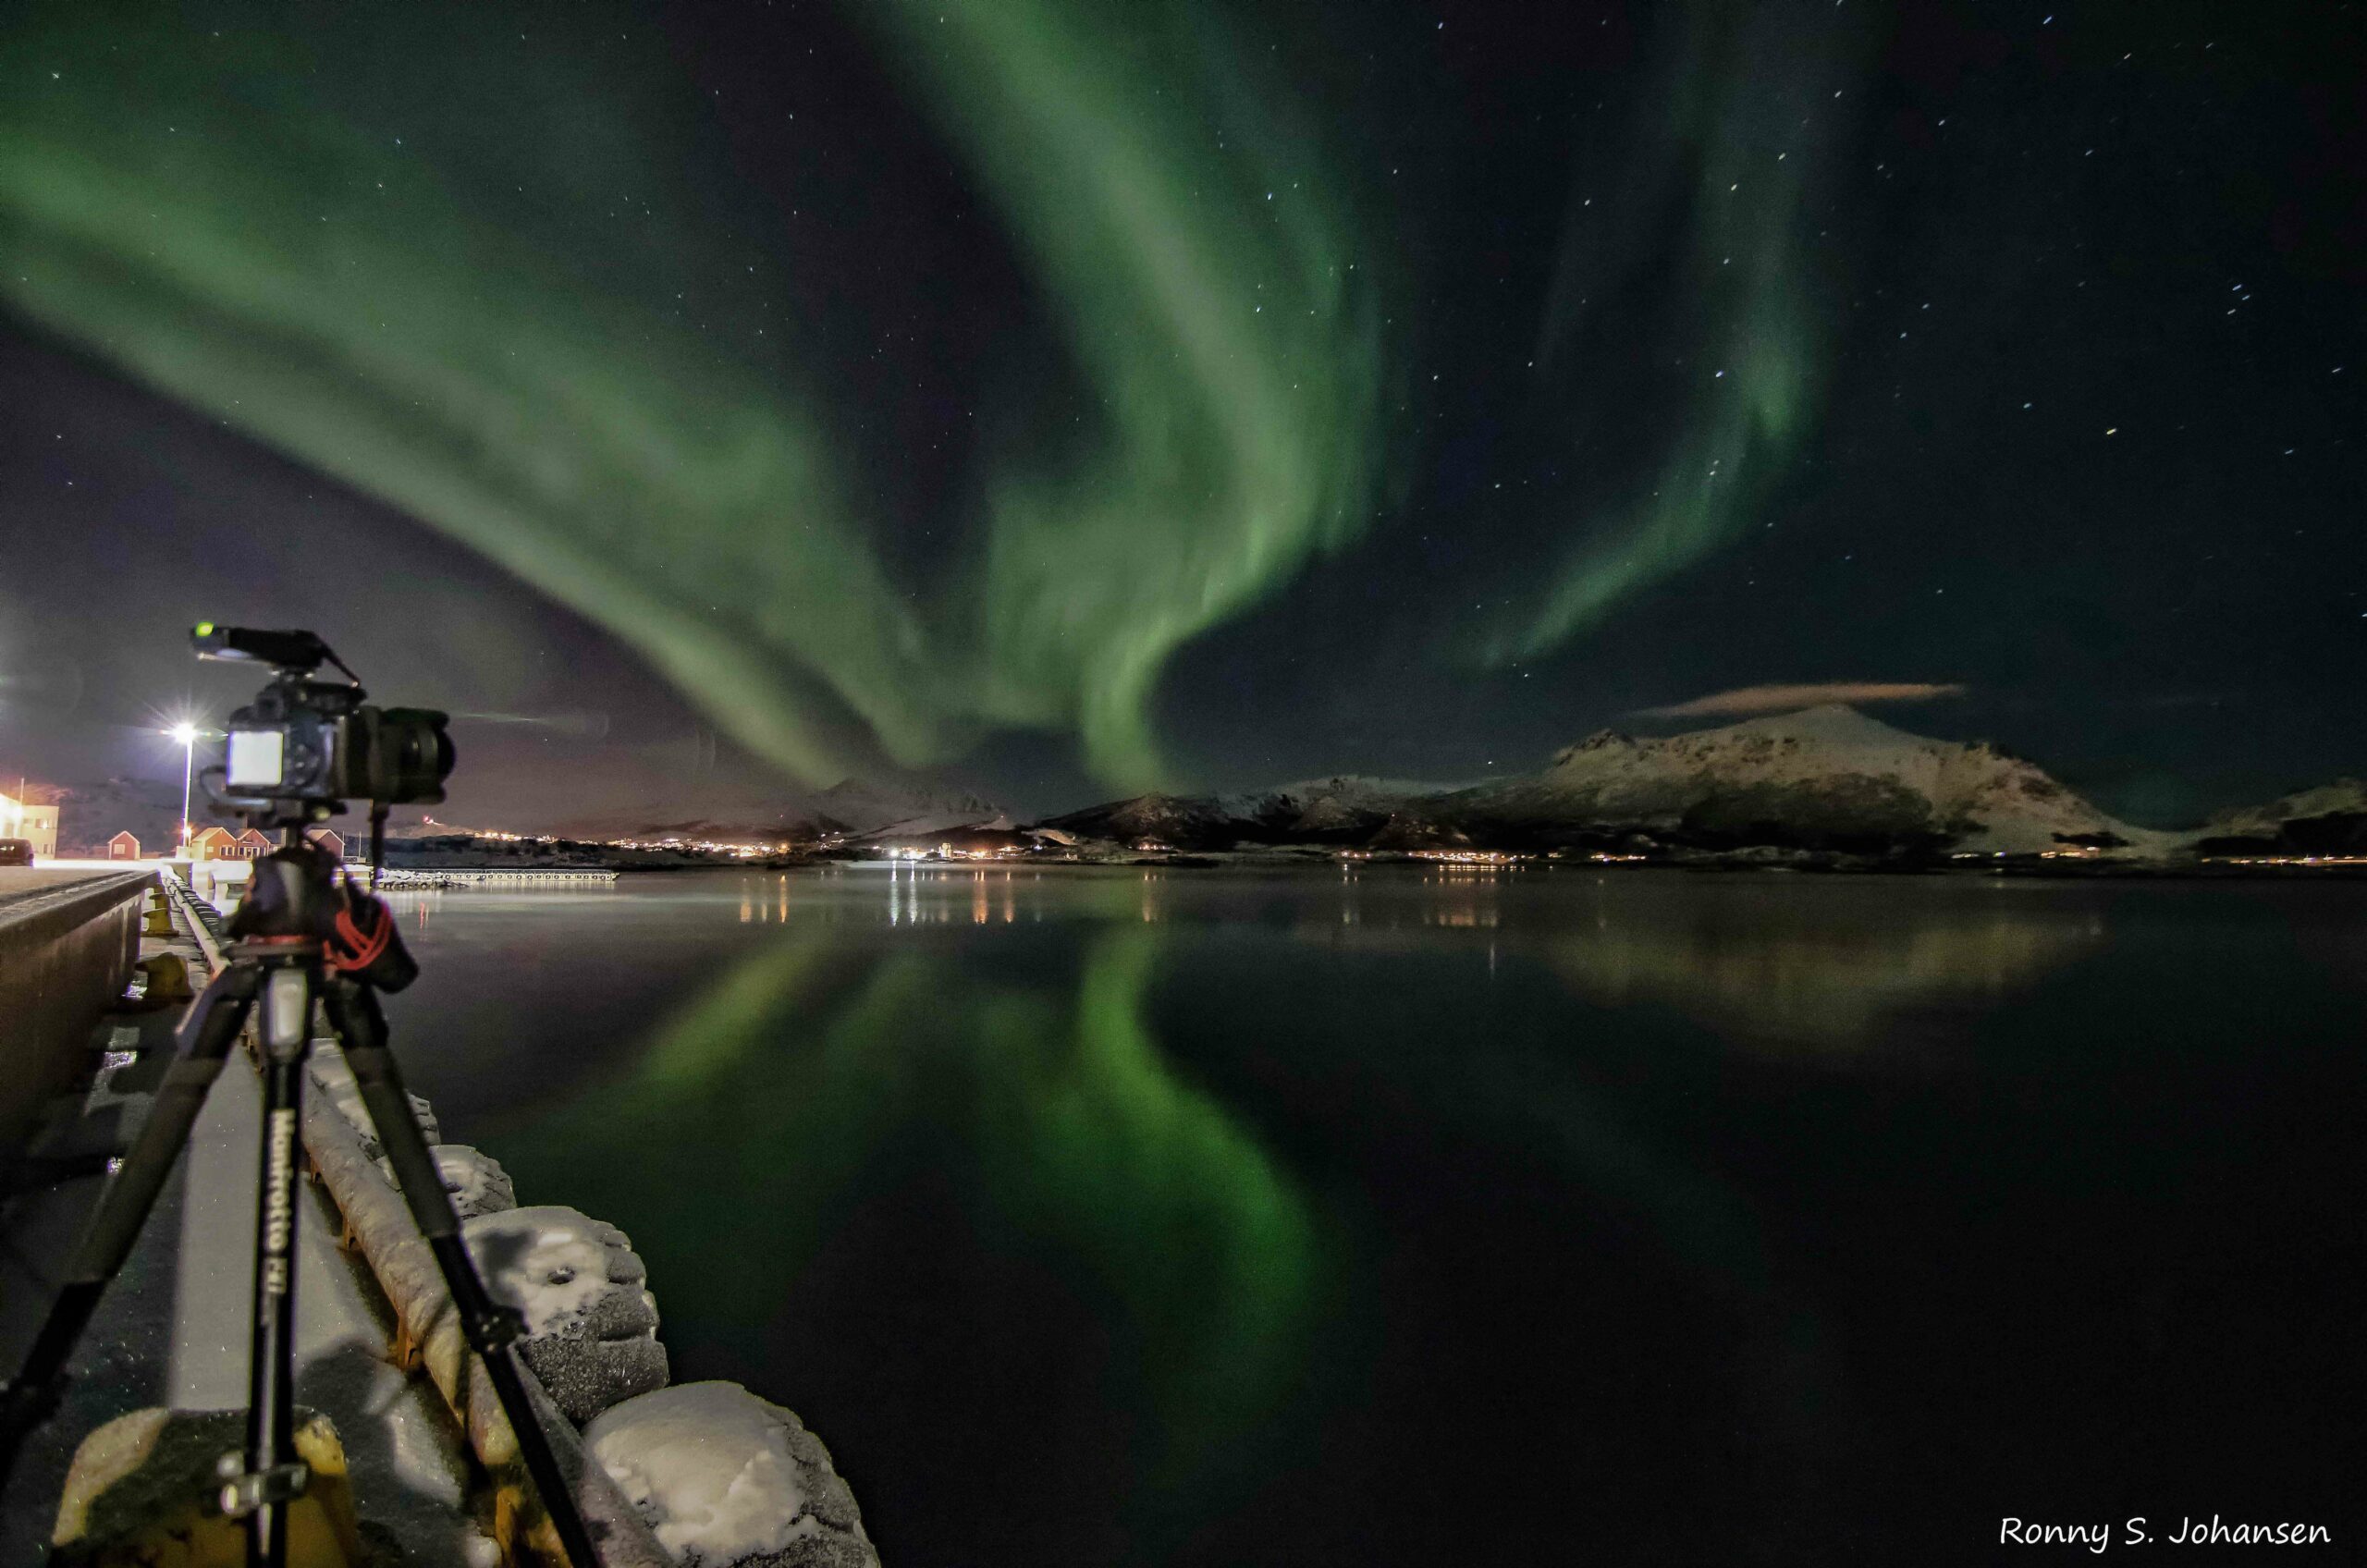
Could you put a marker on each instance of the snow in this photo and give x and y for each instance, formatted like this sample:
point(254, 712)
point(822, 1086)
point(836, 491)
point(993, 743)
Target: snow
point(1828, 771)
point(852, 805)
point(475, 1180)
point(1315, 807)
point(2344, 795)
point(331, 1076)
point(875, 806)
point(936, 822)
point(1344, 793)
point(1825, 754)
point(709, 1466)
point(549, 1261)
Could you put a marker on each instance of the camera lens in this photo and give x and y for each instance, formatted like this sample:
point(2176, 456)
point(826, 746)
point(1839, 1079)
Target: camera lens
point(408, 756)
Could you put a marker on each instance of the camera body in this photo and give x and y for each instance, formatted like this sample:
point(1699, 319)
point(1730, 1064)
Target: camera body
point(304, 746)
point(313, 741)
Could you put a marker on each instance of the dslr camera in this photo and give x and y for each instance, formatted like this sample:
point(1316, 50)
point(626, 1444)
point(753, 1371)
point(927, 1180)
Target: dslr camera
point(305, 746)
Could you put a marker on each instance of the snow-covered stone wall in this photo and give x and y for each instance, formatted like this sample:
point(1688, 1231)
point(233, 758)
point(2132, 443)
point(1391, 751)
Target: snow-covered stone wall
point(705, 1475)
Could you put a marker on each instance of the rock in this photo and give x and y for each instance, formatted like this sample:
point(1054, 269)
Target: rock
point(587, 1377)
point(475, 1180)
point(333, 1078)
point(729, 1480)
point(591, 1326)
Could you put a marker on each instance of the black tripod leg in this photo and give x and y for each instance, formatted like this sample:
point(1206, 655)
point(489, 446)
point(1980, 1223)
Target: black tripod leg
point(273, 1475)
point(205, 1040)
point(491, 1329)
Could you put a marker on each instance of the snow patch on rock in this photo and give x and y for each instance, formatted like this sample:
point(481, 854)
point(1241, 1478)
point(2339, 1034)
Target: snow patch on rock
point(333, 1077)
point(475, 1180)
point(549, 1262)
point(724, 1477)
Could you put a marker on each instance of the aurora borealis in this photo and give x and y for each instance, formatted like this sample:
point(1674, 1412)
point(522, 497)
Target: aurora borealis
point(1734, 85)
point(1082, 400)
point(278, 254)
point(727, 408)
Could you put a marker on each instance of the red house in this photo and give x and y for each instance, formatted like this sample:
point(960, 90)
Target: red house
point(328, 839)
point(123, 846)
point(248, 845)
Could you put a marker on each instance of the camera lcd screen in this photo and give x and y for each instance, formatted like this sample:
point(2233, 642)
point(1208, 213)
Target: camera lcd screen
point(255, 759)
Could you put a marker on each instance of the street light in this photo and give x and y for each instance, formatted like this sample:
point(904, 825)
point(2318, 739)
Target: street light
point(187, 734)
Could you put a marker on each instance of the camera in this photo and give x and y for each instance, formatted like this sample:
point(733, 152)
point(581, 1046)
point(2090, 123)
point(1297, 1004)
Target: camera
point(305, 746)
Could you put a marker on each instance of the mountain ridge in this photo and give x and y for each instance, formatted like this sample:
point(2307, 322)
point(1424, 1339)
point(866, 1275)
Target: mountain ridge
point(1822, 778)
point(851, 808)
point(2327, 819)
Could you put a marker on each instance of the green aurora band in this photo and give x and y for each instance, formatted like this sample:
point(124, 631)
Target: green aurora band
point(237, 219)
point(447, 268)
point(1748, 94)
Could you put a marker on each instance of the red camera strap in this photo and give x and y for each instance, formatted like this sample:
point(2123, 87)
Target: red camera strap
point(356, 948)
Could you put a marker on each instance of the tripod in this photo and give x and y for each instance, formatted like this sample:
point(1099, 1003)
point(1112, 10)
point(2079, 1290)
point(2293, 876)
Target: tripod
point(300, 940)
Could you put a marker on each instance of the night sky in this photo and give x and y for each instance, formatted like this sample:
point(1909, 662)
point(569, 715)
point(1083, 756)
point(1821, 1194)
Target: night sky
point(1066, 399)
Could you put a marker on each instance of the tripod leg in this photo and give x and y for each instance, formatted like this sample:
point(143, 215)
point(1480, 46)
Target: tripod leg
point(273, 1475)
point(205, 1040)
point(491, 1328)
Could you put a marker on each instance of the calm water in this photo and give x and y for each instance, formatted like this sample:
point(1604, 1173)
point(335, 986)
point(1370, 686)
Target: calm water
point(1223, 1217)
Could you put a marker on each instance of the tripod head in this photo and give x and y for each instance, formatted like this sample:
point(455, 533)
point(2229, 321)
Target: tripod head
point(297, 898)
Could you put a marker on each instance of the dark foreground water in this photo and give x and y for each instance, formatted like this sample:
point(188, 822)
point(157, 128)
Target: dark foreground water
point(1220, 1217)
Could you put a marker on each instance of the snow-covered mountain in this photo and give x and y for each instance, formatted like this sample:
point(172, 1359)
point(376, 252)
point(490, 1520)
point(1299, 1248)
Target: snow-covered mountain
point(856, 805)
point(1828, 778)
point(851, 807)
point(1341, 810)
point(1823, 777)
point(2330, 819)
point(1343, 801)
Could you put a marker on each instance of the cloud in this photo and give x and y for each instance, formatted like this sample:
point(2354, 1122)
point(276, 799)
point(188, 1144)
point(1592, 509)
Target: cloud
point(1783, 699)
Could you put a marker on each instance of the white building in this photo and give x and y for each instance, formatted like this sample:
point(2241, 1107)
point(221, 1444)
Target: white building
point(38, 824)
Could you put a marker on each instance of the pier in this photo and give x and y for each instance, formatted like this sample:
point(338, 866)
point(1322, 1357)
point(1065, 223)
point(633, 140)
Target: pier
point(522, 877)
point(68, 939)
point(429, 1469)
point(172, 1330)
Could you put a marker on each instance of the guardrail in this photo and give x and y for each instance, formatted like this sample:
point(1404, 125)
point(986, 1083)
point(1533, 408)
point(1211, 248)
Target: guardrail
point(199, 919)
point(67, 942)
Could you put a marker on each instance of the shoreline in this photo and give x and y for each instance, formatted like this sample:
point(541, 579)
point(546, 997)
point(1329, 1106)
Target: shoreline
point(2027, 867)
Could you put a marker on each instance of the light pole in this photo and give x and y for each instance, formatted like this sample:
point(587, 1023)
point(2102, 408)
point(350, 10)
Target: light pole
point(186, 735)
